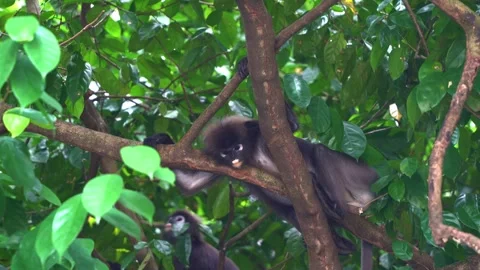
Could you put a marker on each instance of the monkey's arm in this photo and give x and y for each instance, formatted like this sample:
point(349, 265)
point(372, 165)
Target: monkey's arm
point(188, 182)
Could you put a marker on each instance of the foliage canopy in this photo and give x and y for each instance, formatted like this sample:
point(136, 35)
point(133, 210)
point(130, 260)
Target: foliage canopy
point(359, 77)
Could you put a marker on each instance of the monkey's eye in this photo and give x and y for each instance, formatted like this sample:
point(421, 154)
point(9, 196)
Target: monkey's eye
point(238, 147)
point(179, 218)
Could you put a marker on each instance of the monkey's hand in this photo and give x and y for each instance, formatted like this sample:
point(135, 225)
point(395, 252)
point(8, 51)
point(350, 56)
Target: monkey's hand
point(160, 138)
point(242, 68)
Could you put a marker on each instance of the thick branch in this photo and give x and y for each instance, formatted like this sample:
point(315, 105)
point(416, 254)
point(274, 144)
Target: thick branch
point(471, 24)
point(275, 130)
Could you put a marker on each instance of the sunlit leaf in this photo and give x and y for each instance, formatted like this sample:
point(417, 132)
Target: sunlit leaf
point(141, 158)
point(68, 223)
point(22, 28)
point(101, 193)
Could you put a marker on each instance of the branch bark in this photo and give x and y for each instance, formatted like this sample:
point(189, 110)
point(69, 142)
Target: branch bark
point(470, 23)
point(276, 132)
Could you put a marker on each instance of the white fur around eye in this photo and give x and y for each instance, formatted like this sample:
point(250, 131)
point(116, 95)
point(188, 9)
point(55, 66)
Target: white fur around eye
point(240, 147)
point(222, 155)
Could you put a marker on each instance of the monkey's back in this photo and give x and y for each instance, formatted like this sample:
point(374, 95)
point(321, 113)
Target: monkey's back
point(204, 257)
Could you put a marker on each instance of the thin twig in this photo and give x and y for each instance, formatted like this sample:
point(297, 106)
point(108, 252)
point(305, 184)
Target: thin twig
point(87, 27)
point(283, 262)
point(248, 229)
point(375, 115)
point(417, 26)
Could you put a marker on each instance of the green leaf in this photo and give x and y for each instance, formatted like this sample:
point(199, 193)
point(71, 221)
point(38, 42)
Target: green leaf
point(101, 193)
point(141, 158)
point(337, 128)
point(78, 78)
point(50, 101)
point(396, 63)
point(68, 223)
point(221, 205)
point(8, 57)
point(163, 247)
point(381, 183)
point(396, 189)
point(108, 81)
point(26, 258)
point(76, 109)
point(320, 114)
point(215, 17)
point(408, 166)
point(377, 54)
point(22, 28)
point(402, 250)
point(295, 244)
point(15, 124)
point(183, 248)
point(452, 164)
point(354, 141)
point(355, 89)
point(16, 162)
point(297, 90)
point(466, 207)
point(228, 29)
point(292, 5)
point(81, 250)
point(334, 47)
point(456, 53)
point(123, 222)
point(49, 195)
point(138, 203)
point(27, 83)
point(43, 244)
point(413, 112)
point(43, 51)
point(5, 4)
point(431, 91)
point(218, 199)
point(429, 68)
point(46, 121)
point(166, 175)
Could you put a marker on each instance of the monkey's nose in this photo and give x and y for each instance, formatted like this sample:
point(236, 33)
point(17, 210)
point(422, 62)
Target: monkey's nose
point(236, 163)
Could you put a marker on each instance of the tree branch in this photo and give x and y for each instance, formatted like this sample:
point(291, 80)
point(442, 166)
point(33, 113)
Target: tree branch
point(470, 22)
point(280, 141)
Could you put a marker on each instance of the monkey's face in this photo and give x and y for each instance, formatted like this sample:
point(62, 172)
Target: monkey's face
point(175, 226)
point(233, 156)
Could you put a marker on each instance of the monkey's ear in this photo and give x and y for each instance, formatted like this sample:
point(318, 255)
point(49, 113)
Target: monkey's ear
point(160, 138)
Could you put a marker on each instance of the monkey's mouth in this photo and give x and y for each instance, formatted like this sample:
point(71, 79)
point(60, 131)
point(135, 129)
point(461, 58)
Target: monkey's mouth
point(236, 163)
point(168, 227)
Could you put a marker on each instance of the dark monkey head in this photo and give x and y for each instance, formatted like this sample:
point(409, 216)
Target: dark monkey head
point(232, 140)
point(176, 225)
